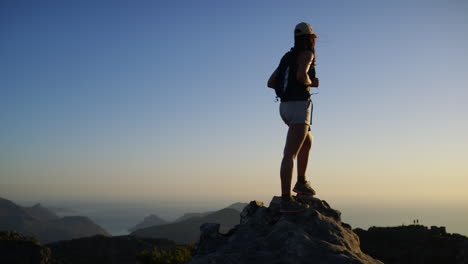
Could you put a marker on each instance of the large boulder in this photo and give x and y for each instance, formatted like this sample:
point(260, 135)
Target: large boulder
point(264, 235)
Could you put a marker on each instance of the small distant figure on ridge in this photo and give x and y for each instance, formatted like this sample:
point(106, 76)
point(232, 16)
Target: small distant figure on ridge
point(292, 80)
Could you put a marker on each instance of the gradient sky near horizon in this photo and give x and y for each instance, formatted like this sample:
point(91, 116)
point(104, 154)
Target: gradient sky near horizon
point(167, 100)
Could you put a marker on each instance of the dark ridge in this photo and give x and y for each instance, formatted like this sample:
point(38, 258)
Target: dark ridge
point(415, 244)
point(102, 249)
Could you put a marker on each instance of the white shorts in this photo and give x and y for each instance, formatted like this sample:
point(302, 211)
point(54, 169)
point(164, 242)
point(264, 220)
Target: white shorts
point(296, 112)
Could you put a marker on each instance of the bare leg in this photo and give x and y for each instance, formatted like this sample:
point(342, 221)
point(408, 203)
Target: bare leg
point(296, 136)
point(303, 157)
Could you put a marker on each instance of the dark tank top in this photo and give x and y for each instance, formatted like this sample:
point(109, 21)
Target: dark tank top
point(295, 91)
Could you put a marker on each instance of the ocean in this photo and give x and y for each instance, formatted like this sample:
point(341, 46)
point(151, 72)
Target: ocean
point(117, 218)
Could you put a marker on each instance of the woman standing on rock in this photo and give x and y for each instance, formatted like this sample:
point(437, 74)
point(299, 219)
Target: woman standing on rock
point(292, 81)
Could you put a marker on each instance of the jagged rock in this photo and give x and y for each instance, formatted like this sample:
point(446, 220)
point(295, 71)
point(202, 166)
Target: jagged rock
point(250, 209)
point(210, 237)
point(264, 235)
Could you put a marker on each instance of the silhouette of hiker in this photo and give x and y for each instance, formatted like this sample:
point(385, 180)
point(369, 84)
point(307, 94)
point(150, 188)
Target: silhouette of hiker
point(296, 111)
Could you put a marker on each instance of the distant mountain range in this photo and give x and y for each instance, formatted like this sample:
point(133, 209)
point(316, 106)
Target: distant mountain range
point(186, 228)
point(45, 225)
point(150, 220)
point(40, 212)
point(260, 234)
point(237, 206)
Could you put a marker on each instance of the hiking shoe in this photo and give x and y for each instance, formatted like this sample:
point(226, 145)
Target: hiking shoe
point(292, 206)
point(304, 189)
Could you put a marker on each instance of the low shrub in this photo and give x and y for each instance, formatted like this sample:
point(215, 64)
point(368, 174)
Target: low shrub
point(177, 255)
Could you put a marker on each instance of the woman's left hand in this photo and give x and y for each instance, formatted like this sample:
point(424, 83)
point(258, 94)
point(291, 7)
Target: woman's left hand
point(315, 82)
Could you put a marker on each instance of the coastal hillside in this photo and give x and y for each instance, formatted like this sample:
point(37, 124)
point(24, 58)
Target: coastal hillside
point(42, 224)
point(150, 220)
point(188, 230)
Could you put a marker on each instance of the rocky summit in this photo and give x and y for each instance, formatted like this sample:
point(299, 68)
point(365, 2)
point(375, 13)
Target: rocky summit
point(264, 235)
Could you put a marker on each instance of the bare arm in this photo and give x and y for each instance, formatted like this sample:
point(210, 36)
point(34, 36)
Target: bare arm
point(304, 62)
point(272, 80)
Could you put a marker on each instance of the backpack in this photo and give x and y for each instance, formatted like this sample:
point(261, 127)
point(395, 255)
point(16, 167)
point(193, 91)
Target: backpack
point(286, 75)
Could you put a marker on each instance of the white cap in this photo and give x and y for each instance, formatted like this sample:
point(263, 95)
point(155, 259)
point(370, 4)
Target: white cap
point(303, 29)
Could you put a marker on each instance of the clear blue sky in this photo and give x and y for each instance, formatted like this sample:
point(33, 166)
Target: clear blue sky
point(168, 99)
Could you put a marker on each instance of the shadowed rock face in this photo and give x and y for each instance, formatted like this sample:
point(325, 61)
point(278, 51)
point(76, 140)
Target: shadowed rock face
point(264, 235)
